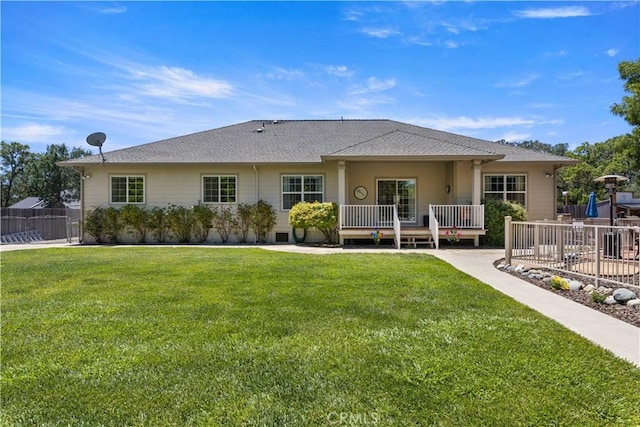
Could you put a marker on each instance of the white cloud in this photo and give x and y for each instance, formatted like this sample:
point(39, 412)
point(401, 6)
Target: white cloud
point(612, 52)
point(462, 122)
point(372, 85)
point(515, 136)
point(418, 41)
point(180, 83)
point(522, 82)
point(556, 54)
point(380, 33)
point(288, 74)
point(556, 12)
point(32, 133)
point(450, 44)
point(461, 25)
point(573, 76)
point(115, 10)
point(339, 70)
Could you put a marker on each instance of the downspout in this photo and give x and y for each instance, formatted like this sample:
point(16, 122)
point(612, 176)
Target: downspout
point(81, 223)
point(257, 184)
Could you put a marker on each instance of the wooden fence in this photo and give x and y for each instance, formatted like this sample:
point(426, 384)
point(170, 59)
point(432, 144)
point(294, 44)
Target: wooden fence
point(27, 225)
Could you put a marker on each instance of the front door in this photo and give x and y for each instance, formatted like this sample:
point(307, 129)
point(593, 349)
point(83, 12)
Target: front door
point(399, 192)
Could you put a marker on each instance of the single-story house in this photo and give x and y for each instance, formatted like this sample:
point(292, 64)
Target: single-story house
point(410, 180)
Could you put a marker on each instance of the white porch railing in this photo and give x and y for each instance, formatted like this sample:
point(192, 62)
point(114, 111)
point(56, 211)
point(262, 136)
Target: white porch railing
point(434, 226)
point(371, 217)
point(367, 216)
point(459, 216)
point(396, 228)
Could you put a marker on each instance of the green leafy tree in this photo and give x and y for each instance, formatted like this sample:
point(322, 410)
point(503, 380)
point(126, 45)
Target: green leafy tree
point(628, 147)
point(14, 156)
point(629, 108)
point(53, 184)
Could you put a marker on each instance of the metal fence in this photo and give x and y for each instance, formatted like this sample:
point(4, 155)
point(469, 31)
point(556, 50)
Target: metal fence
point(27, 226)
point(602, 252)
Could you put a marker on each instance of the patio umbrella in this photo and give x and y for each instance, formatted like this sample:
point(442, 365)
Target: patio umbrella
point(592, 207)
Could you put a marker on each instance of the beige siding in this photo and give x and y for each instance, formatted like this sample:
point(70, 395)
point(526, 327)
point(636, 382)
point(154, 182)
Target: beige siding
point(541, 191)
point(431, 181)
point(182, 185)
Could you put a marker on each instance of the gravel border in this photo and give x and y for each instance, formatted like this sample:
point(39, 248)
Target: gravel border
point(627, 314)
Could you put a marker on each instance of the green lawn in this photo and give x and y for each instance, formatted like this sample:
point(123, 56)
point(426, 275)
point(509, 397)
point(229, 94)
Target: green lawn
point(204, 336)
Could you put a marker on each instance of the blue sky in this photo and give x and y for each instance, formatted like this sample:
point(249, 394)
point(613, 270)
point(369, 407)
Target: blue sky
point(145, 71)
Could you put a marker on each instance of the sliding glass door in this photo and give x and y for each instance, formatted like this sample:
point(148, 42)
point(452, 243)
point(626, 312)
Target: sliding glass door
point(399, 192)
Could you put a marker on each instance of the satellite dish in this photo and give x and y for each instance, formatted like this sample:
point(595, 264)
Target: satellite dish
point(96, 139)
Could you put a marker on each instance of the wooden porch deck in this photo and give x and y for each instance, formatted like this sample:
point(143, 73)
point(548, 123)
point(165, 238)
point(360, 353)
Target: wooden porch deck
point(413, 236)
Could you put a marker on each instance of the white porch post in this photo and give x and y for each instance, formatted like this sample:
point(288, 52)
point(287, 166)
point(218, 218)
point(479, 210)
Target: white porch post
point(342, 184)
point(477, 183)
point(342, 192)
point(476, 197)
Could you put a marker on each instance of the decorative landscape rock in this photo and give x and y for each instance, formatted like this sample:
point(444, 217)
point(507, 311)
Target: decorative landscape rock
point(623, 295)
point(604, 290)
point(575, 285)
point(627, 311)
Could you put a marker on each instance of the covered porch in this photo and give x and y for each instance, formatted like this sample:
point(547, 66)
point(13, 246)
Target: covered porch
point(359, 221)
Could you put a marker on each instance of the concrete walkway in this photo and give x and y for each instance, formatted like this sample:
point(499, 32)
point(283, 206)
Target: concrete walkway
point(620, 338)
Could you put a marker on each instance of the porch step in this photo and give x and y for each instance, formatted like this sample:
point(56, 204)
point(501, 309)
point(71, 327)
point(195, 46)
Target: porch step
point(414, 240)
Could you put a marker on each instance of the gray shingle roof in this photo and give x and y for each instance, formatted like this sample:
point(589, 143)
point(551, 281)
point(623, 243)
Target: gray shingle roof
point(312, 141)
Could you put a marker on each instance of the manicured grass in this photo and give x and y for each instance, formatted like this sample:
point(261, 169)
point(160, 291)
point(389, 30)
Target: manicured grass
point(206, 336)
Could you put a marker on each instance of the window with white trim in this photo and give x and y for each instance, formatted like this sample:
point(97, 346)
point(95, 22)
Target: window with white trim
point(127, 189)
point(219, 188)
point(509, 187)
point(301, 188)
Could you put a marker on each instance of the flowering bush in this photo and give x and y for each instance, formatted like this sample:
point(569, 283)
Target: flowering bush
point(559, 283)
point(453, 235)
point(376, 235)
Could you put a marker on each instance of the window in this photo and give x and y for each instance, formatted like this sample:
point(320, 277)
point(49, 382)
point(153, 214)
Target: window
point(127, 189)
point(299, 188)
point(219, 189)
point(506, 187)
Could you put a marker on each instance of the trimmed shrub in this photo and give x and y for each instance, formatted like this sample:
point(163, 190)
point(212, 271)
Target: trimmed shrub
point(322, 216)
point(244, 213)
point(138, 219)
point(224, 222)
point(113, 224)
point(180, 222)
point(94, 224)
point(202, 218)
point(263, 219)
point(159, 224)
point(494, 212)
